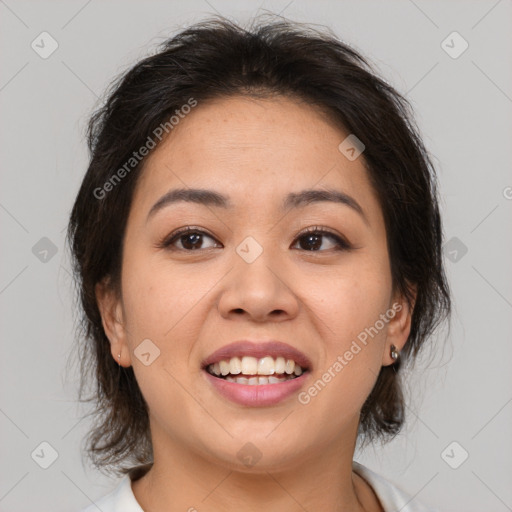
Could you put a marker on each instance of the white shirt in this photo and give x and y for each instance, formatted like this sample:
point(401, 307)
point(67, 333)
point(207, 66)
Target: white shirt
point(392, 499)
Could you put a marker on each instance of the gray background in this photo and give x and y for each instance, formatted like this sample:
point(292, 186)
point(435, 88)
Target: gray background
point(463, 106)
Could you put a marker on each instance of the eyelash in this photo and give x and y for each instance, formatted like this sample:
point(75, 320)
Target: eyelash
point(342, 244)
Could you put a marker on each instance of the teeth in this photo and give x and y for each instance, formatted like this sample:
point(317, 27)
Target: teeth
point(257, 381)
point(235, 366)
point(252, 366)
point(238, 380)
point(224, 367)
point(290, 366)
point(249, 365)
point(266, 366)
point(280, 365)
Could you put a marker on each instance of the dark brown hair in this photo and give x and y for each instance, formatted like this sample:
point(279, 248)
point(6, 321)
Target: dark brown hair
point(216, 58)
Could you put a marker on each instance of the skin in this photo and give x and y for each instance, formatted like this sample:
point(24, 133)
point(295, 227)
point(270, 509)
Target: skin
point(191, 303)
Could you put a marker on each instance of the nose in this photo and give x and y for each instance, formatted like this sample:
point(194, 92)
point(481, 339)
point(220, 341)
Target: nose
point(261, 291)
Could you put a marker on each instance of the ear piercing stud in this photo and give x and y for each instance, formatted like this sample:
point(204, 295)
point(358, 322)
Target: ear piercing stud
point(393, 353)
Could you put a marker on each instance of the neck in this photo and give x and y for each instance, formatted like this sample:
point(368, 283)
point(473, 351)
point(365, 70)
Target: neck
point(183, 479)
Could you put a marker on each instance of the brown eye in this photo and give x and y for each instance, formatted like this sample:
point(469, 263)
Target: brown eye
point(313, 239)
point(190, 239)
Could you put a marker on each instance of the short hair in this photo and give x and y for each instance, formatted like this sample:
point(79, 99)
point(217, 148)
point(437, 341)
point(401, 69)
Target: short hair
point(217, 58)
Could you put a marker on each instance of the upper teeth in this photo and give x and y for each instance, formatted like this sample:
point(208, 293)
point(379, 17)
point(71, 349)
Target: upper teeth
point(248, 365)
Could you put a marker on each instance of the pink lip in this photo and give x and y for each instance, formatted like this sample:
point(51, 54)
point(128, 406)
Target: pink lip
point(258, 350)
point(258, 395)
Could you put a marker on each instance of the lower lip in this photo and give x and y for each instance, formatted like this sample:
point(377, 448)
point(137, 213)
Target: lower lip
point(258, 395)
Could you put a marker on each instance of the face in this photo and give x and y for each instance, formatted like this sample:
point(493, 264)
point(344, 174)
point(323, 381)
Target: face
point(312, 274)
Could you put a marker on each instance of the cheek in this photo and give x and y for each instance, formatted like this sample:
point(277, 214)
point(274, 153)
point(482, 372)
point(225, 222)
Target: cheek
point(350, 307)
point(160, 297)
point(351, 300)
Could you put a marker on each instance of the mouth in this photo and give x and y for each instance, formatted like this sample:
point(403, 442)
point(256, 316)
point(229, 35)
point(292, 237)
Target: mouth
point(252, 371)
point(257, 374)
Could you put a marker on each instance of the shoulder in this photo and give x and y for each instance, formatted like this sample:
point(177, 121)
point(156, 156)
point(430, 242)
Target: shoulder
point(391, 497)
point(120, 499)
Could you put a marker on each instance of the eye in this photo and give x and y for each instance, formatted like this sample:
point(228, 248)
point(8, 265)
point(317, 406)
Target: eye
point(312, 240)
point(190, 239)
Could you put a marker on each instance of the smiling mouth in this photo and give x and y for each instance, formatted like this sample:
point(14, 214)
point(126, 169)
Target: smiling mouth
point(253, 371)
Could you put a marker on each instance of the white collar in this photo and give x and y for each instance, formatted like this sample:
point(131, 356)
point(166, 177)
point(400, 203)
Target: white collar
point(122, 499)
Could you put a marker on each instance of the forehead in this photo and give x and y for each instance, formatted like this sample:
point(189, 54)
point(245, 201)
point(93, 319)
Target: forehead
point(254, 149)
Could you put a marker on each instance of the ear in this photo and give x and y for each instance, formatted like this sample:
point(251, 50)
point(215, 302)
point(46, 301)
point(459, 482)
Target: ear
point(399, 327)
point(112, 319)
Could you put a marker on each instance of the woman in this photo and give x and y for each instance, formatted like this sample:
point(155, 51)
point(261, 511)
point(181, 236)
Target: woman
point(257, 244)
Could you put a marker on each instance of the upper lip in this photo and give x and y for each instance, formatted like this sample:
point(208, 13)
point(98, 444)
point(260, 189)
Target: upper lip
point(258, 349)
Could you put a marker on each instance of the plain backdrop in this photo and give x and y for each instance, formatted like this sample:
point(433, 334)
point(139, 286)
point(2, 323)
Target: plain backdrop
point(456, 450)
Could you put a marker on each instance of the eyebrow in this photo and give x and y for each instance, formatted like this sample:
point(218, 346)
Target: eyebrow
point(300, 199)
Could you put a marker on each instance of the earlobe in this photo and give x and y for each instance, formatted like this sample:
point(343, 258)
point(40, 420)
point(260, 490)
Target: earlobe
point(398, 330)
point(110, 307)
